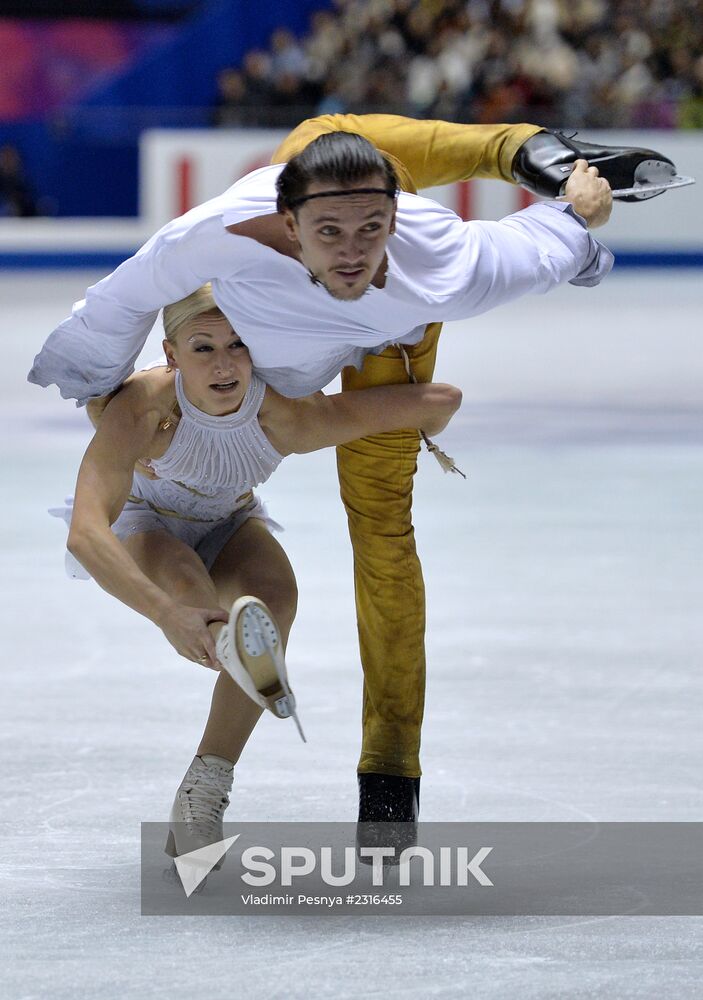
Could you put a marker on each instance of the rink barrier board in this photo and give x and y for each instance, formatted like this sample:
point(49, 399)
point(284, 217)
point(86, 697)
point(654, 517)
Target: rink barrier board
point(180, 169)
point(108, 261)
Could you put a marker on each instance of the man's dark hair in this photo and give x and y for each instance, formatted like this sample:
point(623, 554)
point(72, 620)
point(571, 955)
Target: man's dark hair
point(343, 159)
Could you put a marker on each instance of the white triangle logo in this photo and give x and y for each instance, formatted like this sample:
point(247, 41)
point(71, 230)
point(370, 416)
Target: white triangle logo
point(195, 866)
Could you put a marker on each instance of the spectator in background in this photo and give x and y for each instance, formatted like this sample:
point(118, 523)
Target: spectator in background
point(294, 98)
point(690, 111)
point(324, 45)
point(295, 93)
point(16, 198)
point(287, 57)
point(232, 105)
point(257, 77)
point(332, 101)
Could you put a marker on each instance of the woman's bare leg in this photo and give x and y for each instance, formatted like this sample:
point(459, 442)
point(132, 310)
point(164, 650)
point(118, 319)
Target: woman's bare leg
point(253, 563)
point(178, 570)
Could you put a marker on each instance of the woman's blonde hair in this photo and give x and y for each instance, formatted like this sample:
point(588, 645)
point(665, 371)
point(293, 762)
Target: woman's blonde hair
point(177, 313)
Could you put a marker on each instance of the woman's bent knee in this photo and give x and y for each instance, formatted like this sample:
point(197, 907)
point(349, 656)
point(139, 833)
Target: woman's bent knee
point(282, 598)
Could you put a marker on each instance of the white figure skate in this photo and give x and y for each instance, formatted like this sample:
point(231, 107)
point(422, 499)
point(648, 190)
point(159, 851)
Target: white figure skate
point(199, 806)
point(249, 647)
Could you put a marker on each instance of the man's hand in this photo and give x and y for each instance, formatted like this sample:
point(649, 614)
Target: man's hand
point(590, 194)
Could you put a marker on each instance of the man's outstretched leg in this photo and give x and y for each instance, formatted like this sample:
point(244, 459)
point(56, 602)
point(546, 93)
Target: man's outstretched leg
point(376, 478)
point(544, 162)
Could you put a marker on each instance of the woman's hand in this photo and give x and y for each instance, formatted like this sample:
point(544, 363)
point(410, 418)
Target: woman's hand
point(187, 630)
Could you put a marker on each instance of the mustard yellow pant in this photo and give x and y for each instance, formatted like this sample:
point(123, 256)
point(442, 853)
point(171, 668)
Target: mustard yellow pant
point(376, 474)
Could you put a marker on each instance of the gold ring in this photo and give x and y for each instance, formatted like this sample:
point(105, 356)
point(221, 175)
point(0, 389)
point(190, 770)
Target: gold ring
point(203, 659)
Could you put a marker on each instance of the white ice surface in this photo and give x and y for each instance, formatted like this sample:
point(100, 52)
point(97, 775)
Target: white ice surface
point(564, 680)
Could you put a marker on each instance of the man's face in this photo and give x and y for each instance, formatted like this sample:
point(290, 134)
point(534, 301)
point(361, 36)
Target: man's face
point(343, 239)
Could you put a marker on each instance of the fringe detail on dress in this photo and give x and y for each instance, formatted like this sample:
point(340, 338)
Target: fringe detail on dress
point(218, 452)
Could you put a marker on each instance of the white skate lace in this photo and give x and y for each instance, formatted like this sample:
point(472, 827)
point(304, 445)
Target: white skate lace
point(205, 800)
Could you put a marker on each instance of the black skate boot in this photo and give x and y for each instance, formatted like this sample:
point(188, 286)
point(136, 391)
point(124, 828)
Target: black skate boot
point(389, 805)
point(544, 162)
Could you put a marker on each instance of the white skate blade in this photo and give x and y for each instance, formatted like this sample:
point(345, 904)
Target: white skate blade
point(646, 189)
point(296, 720)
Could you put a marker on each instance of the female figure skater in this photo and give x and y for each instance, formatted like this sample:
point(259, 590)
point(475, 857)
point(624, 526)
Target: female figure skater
point(182, 537)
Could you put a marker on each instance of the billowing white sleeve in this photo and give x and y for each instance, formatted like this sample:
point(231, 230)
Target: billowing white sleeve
point(531, 251)
point(94, 350)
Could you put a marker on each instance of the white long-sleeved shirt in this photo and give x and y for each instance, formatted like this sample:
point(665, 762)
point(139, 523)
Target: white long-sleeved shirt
point(298, 335)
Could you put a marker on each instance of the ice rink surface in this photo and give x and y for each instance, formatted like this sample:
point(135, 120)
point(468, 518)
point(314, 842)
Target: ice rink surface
point(564, 670)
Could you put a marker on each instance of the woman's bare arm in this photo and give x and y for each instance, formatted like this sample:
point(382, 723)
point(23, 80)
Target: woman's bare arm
point(127, 428)
point(320, 421)
point(96, 407)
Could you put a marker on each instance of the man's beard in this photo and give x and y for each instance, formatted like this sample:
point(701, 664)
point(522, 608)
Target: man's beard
point(335, 295)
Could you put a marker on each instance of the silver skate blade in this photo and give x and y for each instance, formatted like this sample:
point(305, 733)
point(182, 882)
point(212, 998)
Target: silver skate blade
point(289, 700)
point(296, 720)
point(646, 189)
point(286, 706)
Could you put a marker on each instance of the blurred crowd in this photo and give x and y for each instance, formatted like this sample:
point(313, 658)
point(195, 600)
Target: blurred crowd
point(592, 63)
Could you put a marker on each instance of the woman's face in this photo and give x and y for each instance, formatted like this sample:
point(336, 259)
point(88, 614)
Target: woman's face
point(214, 363)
